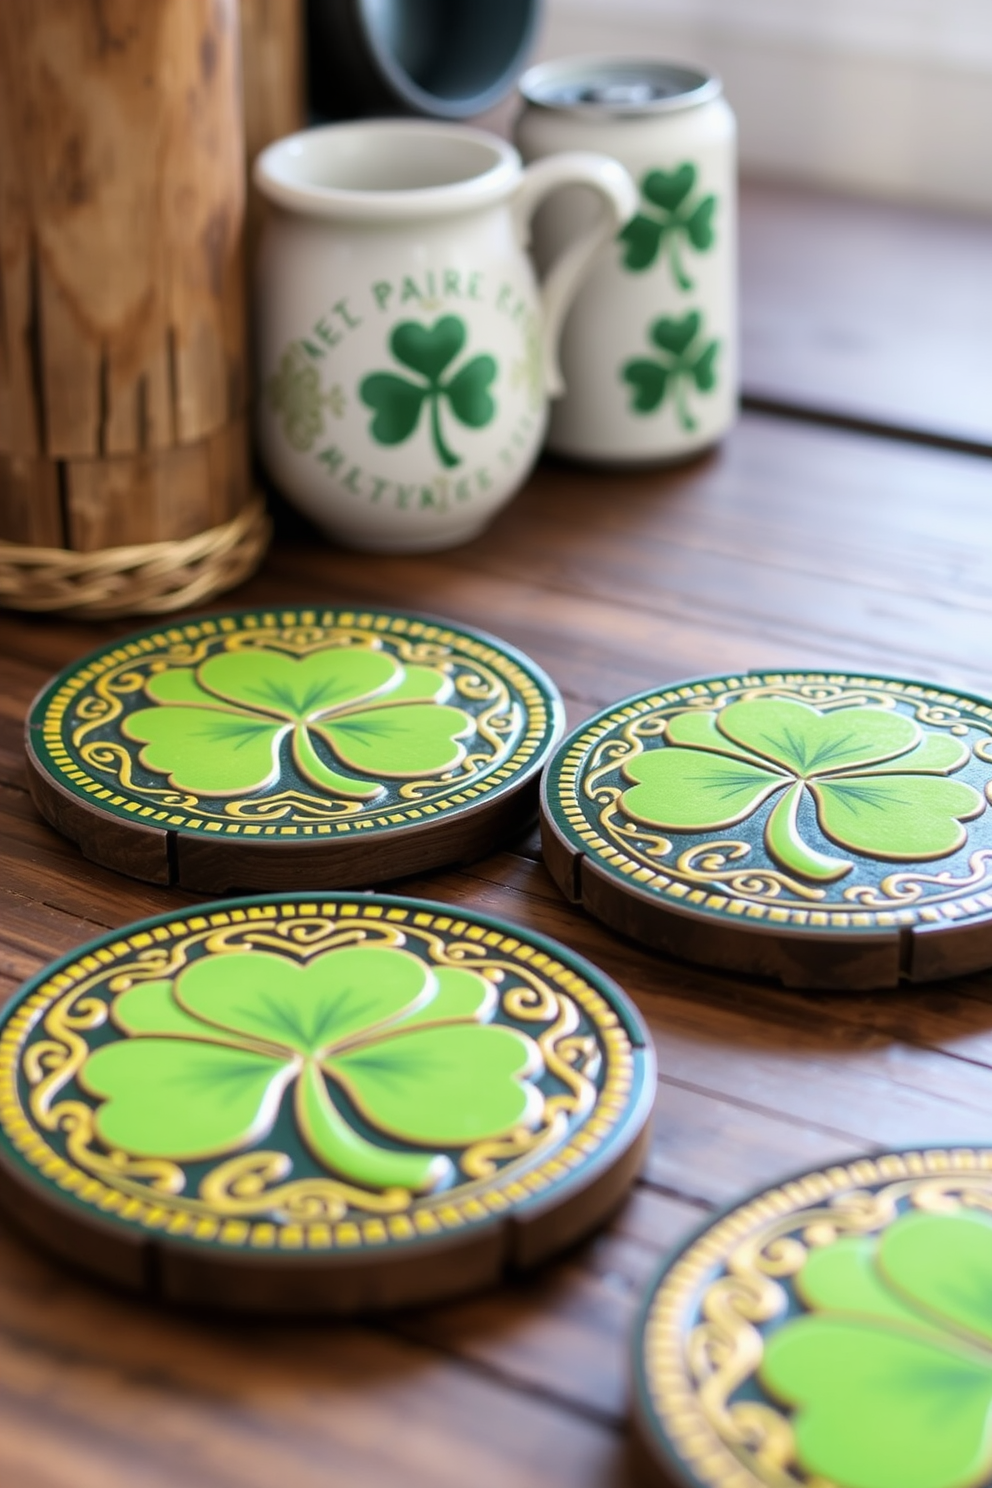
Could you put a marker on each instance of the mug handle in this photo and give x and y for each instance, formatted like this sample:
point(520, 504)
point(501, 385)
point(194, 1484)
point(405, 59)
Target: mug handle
point(619, 198)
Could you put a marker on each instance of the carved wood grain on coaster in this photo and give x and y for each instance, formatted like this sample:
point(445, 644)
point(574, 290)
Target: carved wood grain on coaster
point(122, 373)
point(829, 830)
point(834, 1329)
point(384, 1100)
point(292, 748)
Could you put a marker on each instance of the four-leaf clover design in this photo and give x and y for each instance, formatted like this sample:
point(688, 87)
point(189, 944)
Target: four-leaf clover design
point(218, 728)
point(429, 351)
point(876, 779)
point(890, 1372)
point(676, 214)
point(294, 394)
point(362, 1035)
point(686, 358)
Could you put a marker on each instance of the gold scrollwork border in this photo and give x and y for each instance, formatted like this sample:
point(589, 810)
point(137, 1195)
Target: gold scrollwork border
point(702, 1336)
point(513, 721)
point(251, 1199)
point(717, 872)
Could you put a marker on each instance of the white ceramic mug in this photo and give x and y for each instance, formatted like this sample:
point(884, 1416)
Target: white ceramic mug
point(406, 351)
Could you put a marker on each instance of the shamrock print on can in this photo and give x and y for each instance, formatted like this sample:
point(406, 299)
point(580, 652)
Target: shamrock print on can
point(829, 830)
point(327, 1101)
point(686, 359)
point(300, 745)
point(429, 351)
point(674, 215)
point(649, 351)
point(836, 1329)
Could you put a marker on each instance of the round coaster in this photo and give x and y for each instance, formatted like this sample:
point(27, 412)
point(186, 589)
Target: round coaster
point(292, 748)
point(829, 830)
point(334, 1102)
point(834, 1331)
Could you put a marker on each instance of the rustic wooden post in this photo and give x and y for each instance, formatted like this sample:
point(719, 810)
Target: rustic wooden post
point(274, 88)
point(272, 63)
point(122, 335)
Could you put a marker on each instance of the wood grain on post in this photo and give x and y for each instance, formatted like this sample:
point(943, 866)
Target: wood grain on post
point(121, 283)
point(274, 89)
point(272, 65)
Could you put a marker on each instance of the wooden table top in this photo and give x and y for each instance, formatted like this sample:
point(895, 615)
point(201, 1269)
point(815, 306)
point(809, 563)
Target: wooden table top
point(847, 522)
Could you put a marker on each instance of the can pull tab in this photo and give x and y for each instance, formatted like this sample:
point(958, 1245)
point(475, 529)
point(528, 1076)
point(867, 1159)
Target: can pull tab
point(619, 198)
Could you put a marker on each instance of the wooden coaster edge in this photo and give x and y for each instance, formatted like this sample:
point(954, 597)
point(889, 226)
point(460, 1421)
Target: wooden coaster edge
point(112, 844)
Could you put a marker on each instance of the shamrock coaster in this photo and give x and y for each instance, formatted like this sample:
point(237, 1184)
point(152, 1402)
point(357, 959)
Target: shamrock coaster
point(292, 748)
point(835, 1330)
point(337, 1102)
point(829, 830)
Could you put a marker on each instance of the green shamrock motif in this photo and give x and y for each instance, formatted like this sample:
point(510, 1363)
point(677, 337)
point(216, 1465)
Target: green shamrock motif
point(294, 395)
point(366, 1029)
point(429, 351)
point(218, 728)
point(890, 1372)
point(685, 359)
point(676, 215)
point(876, 780)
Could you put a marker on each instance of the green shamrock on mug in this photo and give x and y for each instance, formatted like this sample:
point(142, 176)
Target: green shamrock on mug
point(876, 780)
point(686, 359)
point(218, 728)
point(889, 1373)
point(675, 214)
point(429, 351)
point(359, 1037)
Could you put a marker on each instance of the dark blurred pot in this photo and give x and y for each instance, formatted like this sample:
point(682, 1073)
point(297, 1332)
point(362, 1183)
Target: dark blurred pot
point(449, 59)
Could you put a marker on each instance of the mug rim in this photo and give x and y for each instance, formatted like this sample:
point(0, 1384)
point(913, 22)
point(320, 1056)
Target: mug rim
point(271, 175)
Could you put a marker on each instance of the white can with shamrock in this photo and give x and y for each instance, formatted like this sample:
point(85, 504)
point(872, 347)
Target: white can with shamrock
point(649, 352)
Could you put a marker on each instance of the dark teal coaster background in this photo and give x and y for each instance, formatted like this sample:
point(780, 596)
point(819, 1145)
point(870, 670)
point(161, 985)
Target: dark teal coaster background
point(726, 875)
point(704, 1413)
point(75, 727)
point(596, 1083)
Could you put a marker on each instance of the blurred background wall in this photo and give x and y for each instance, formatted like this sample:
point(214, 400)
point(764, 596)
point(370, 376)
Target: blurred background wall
point(888, 97)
